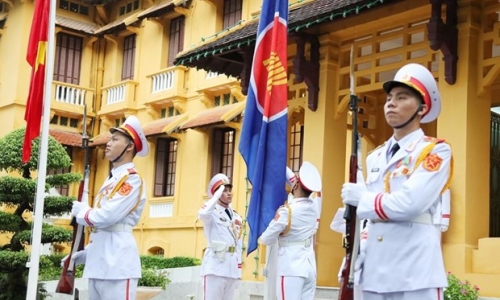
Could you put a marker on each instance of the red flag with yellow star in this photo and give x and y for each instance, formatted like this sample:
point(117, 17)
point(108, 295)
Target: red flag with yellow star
point(36, 57)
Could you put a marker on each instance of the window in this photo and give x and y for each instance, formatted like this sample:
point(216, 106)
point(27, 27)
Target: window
point(74, 7)
point(168, 112)
point(176, 41)
point(128, 57)
point(232, 12)
point(128, 7)
point(68, 58)
point(224, 99)
point(64, 121)
point(119, 122)
point(295, 151)
point(223, 151)
point(63, 190)
point(166, 162)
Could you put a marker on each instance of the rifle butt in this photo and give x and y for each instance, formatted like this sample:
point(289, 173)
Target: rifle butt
point(346, 293)
point(66, 283)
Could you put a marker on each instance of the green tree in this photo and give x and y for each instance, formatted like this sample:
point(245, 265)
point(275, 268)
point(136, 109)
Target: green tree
point(17, 195)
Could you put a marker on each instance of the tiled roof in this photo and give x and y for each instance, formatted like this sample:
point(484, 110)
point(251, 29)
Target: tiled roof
point(101, 139)
point(76, 25)
point(300, 17)
point(117, 24)
point(215, 116)
point(156, 10)
point(163, 125)
point(66, 137)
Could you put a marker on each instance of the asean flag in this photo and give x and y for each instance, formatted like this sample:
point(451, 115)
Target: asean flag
point(36, 56)
point(264, 134)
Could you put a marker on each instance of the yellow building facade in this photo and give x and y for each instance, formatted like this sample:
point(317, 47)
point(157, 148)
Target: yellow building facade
point(182, 68)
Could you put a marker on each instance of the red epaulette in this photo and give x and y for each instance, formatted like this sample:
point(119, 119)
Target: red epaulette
point(131, 171)
point(433, 139)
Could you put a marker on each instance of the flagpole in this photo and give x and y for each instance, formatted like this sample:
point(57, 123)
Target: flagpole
point(36, 236)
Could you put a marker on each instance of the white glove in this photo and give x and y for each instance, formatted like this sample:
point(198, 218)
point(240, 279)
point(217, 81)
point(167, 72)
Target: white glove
point(219, 192)
point(77, 207)
point(359, 261)
point(352, 193)
point(78, 258)
point(444, 228)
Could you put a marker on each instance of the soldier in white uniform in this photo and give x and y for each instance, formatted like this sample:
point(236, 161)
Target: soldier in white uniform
point(294, 227)
point(111, 258)
point(221, 265)
point(405, 178)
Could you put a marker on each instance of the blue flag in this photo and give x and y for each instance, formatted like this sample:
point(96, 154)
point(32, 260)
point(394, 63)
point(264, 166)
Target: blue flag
point(263, 143)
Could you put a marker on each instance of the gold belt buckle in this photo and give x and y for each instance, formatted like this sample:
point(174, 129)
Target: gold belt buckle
point(231, 249)
point(93, 229)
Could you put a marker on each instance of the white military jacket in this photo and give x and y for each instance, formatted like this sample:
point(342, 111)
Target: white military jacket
point(403, 251)
point(293, 227)
point(222, 256)
point(112, 250)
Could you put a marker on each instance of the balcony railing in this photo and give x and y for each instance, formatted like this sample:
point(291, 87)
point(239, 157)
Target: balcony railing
point(71, 97)
point(69, 94)
point(167, 84)
point(162, 81)
point(119, 96)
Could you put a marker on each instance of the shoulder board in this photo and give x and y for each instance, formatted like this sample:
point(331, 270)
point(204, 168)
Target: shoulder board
point(380, 146)
point(131, 171)
point(433, 139)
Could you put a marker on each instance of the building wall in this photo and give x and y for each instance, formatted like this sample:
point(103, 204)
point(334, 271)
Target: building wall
point(464, 120)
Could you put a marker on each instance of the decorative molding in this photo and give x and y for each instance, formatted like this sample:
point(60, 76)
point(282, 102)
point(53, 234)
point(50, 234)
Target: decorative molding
point(111, 38)
point(106, 121)
point(91, 40)
point(206, 99)
point(444, 36)
point(102, 12)
point(183, 11)
point(307, 70)
point(180, 104)
point(236, 92)
point(133, 29)
point(152, 111)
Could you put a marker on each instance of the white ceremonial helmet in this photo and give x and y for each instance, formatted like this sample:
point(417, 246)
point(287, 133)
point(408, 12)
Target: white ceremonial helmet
point(132, 128)
point(420, 79)
point(216, 182)
point(309, 178)
point(291, 178)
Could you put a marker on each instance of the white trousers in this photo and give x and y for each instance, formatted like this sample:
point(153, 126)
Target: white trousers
point(296, 288)
point(218, 287)
point(424, 294)
point(122, 289)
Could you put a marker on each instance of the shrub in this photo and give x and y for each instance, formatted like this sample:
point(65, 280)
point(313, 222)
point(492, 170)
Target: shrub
point(154, 278)
point(50, 268)
point(458, 290)
point(158, 262)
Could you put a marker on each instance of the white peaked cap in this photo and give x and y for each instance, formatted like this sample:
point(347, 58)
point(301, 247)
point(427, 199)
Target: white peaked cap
point(216, 182)
point(309, 177)
point(420, 79)
point(291, 178)
point(132, 128)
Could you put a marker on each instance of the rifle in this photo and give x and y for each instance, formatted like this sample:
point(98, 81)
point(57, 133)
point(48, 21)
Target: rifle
point(351, 239)
point(66, 284)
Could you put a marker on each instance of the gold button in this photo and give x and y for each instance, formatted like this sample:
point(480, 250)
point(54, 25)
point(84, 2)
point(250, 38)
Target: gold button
point(380, 239)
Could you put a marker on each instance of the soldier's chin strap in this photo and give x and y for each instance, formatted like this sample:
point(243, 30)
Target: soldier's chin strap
point(420, 106)
point(121, 154)
point(227, 204)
